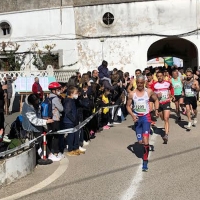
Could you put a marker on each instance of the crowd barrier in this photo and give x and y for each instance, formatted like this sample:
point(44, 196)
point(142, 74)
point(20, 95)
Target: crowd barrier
point(61, 132)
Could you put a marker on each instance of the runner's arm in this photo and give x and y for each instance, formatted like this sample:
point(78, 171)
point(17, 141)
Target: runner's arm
point(155, 99)
point(129, 104)
point(171, 89)
point(196, 84)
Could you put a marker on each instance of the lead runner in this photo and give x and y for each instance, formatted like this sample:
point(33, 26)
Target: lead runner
point(140, 113)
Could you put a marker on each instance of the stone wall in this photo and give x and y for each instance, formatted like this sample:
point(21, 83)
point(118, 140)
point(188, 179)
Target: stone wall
point(20, 5)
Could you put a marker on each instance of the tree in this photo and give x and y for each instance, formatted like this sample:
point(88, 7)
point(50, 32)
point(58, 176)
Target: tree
point(41, 59)
point(11, 60)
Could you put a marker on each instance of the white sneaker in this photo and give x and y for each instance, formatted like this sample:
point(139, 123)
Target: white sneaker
point(53, 158)
point(82, 149)
point(85, 143)
point(39, 151)
point(110, 124)
point(60, 155)
point(5, 139)
point(189, 125)
point(195, 121)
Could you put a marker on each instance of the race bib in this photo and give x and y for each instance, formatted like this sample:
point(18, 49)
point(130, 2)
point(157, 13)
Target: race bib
point(177, 86)
point(189, 93)
point(165, 96)
point(140, 107)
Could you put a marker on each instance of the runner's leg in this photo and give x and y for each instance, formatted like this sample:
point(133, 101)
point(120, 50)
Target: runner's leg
point(146, 130)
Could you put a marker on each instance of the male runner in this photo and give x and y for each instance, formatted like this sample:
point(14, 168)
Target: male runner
point(164, 91)
point(132, 84)
point(141, 114)
point(190, 89)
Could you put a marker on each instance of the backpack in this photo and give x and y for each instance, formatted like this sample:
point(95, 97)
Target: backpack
point(46, 108)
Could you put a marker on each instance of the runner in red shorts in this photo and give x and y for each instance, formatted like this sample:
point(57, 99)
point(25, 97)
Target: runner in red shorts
point(165, 92)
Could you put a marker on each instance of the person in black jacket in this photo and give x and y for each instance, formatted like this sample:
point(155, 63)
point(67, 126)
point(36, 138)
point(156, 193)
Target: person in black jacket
point(71, 120)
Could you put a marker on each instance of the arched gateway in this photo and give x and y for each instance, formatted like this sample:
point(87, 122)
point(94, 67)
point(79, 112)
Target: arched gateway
point(175, 47)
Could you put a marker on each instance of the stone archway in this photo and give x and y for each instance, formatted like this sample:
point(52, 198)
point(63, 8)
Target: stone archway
point(175, 47)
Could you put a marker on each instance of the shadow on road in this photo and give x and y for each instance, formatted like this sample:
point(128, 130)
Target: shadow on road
point(138, 150)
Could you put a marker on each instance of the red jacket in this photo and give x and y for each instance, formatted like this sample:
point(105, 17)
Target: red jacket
point(37, 88)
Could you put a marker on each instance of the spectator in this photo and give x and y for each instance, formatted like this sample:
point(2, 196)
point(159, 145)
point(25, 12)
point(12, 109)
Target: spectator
point(57, 109)
point(105, 111)
point(11, 93)
point(70, 120)
point(114, 71)
point(1, 135)
point(2, 119)
point(33, 122)
point(37, 89)
point(95, 77)
point(103, 72)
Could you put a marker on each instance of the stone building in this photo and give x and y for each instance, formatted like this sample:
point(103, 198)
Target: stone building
point(126, 33)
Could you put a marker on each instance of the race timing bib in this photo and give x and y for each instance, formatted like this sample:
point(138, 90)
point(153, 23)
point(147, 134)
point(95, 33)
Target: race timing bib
point(165, 95)
point(189, 93)
point(177, 86)
point(140, 107)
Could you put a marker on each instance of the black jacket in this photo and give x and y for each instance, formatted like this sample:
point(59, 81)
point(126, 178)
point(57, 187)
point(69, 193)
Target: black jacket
point(1, 99)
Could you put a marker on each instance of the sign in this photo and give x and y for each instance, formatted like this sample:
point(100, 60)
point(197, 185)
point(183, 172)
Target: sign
point(24, 84)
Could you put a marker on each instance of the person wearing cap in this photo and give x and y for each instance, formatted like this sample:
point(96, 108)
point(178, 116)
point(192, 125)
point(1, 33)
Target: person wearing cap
point(57, 109)
point(37, 88)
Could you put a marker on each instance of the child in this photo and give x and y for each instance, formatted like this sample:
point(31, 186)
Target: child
point(103, 72)
point(105, 111)
point(57, 108)
point(70, 120)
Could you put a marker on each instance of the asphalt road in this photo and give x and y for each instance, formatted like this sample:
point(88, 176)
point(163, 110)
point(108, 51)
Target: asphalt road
point(111, 169)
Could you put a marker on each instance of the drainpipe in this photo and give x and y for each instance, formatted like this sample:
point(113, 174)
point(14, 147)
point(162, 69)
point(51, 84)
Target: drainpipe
point(61, 4)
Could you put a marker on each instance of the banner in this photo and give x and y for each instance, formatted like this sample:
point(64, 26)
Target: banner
point(24, 84)
point(168, 61)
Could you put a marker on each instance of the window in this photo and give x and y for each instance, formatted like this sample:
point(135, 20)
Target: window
point(108, 18)
point(5, 29)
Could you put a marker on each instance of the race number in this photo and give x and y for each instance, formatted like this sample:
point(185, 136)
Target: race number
point(189, 93)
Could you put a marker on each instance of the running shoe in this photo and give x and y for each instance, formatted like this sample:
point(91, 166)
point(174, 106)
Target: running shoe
point(195, 121)
point(85, 143)
point(60, 155)
point(189, 125)
point(6, 139)
point(165, 138)
point(145, 166)
point(82, 149)
point(54, 158)
point(184, 111)
point(110, 124)
point(151, 131)
point(106, 127)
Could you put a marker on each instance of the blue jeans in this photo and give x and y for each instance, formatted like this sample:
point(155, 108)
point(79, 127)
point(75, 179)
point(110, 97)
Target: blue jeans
point(72, 138)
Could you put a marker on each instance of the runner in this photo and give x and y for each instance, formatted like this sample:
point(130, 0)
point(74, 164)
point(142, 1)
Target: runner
point(149, 83)
point(141, 114)
point(164, 91)
point(178, 98)
point(132, 84)
point(191, 87)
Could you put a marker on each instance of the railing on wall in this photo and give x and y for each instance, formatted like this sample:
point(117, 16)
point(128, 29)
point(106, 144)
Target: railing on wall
point(60, 75)
point(64, 75)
